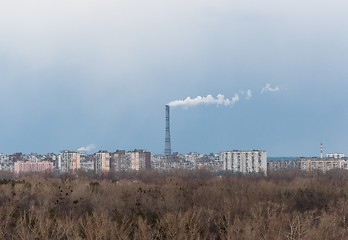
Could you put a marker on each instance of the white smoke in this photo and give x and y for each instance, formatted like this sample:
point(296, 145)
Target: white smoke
point(269, 88)
point(208, 100)
point(88, 148)
point(248, 94)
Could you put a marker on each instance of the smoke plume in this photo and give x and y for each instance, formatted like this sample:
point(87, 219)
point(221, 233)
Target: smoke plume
point(248, 94)
point(208, 100)
point(268, 88)
point(88, 148)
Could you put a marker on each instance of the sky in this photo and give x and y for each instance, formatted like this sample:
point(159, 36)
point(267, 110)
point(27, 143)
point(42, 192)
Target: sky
point(97, 74)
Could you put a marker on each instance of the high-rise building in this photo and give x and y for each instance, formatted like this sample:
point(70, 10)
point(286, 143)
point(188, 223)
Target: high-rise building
point(167, 144)
point(120, 161)
point(69, 161)
point(254, 161)
point(102, 161)
point(87, 161)
point(140, 159)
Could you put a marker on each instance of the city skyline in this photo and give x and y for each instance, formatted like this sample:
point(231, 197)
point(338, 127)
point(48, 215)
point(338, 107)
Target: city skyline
point(98, 74)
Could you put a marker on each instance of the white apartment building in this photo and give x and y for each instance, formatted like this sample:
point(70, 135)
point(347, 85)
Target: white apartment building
point(254, 161)
point(69, 161)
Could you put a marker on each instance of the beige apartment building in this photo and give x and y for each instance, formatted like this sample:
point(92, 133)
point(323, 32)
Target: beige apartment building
point(102, 161)
point(69, 161)
point(140, 159)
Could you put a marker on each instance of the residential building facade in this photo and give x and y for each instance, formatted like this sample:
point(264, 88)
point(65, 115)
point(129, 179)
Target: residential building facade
point(254, 161)
point(120, 161)
point(69, 161)
point(322, 164)
point(140, 160)
point(29, 166)
point(102, 161)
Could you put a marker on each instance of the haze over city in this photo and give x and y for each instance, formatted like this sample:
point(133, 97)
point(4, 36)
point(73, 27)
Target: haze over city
point(97, 75)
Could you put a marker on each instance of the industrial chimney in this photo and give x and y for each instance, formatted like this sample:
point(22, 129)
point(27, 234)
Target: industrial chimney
point(321, 150)
point(167, 146)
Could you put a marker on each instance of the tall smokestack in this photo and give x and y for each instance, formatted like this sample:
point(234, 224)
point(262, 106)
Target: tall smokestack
point(167, 146)
point(321, 150)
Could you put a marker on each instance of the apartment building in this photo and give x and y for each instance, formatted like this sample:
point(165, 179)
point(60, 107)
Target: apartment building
point(254, 161)
point(322, 164)
point(140, 159)
point(120, 161)
point(102, 161)
point(29, 166)
point(69, 161)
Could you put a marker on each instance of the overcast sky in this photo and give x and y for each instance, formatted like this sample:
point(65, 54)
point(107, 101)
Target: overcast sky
point(75, 73)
